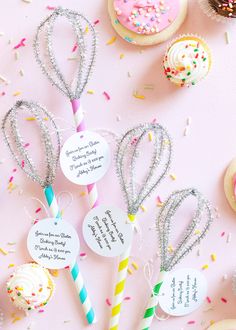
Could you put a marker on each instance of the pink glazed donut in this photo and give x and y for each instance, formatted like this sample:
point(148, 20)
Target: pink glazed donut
point(147, 22)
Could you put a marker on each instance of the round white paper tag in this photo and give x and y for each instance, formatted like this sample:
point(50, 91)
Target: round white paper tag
point(53, 244)
point(85, 158)
point(106, 231)
point(182, 292)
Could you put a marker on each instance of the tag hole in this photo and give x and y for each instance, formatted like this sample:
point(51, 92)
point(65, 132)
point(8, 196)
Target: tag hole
point(55, 223)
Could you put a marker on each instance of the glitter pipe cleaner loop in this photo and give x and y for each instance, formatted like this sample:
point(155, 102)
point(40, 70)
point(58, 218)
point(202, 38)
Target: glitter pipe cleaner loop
point(127, 154)
point(86, 51)
point(202, 218)
point(51, 160)
point(17, 145)
point(129, 146)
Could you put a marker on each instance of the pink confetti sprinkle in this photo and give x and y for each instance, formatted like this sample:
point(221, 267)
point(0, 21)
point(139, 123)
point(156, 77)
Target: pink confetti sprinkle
point(191, 322)
point(127, 298)
point(50, 8)
point(224, 300)
point(38, 210)
point(154, 121)
point(96, 22)
point(75, 47)
point(108, 302)
point(67, 267)
point(159, 200)
point(222, 234)
point(26, 145)
point(134, 141)
point(83, 254)
point(20, 44)
point(11, 179)
point(36, 221)
point(107, 96)
point(208, 299)
point(41, 310)
point(14, 170)
point(23, 164)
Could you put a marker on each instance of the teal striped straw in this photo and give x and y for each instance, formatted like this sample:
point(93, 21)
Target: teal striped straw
point(74, 268)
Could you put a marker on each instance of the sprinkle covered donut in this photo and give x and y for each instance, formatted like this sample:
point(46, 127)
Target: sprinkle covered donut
point(147, 22)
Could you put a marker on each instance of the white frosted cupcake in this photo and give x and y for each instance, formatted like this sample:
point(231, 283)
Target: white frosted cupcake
point(30, 287)
point(187, 60)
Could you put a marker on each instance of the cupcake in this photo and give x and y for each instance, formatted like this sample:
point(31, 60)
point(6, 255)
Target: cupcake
point(30, 287)
point(187, 60)
point(147, 22)
point(221, 10)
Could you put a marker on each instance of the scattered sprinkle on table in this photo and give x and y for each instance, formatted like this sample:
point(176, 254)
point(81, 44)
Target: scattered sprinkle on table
point(11, 265)
point(20, 44)
point(111, 41)
point(191, 322)
point(205, 267)
point(143, 208)
point(108, 302)
point(173, 176)
point(90, 91)
point(107, 96)
point(150, 136)
point(4, 252)
point(227, 38)
point(135, 265)
point(224, 300)
point(122, 56)
point(213, 257)
point(138, 96)
point(17, 93)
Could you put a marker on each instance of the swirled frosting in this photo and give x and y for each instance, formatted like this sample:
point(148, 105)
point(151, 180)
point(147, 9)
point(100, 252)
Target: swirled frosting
point(226, 8)
point(187, 61)
point(30, 287)
point(146, 16)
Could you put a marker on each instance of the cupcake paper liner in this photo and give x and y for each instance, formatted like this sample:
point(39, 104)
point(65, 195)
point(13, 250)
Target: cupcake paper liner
point(211, 13)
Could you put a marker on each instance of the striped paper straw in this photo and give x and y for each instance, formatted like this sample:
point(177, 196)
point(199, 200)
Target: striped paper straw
point(152, 304)
point(74, 268)
point(118, 295)
point(80, 126)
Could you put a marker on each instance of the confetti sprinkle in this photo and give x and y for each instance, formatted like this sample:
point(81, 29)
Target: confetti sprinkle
point(111, 41)
point(135, 265)
point(4, 252)
point(191, 322)
point(27, 1)
point(186, 131)
point(138, 96)
point(96, 22)
point(208, 300)
point(229, 238)
point(17, 93)
point(75, 47)
point(173, 177)
point(108, 302)
point(227, 38)
point(4, 79)
point(21, 72)
point(122, 56)
point(16, 56)
point(143, 208)
point(50, 8)
point(213, 257)
point(11, 265)
point(107, 96)
point(54, 272)
point(130, 271)
point(90, 91)
point(127, 298)
point(20, 44)
point(83, 255)
point(224, 300)
point(205, 266)
point(222, 234)
point(225, 277)
point(150, 136)
point(149, 86)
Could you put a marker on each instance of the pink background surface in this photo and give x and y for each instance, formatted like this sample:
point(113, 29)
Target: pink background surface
point(200, 160)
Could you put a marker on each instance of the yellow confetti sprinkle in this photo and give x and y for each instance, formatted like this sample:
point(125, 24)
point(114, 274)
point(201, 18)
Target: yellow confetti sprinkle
point(170, 249)
point(54, 272)
point(17, 318)
point(11, 265)
point(17, 93)
point(30, 118)
point(86, 29)
point(45, 118)
point(130, 271)
point(213, 257)
point(138, 96)
point(167, 142)
point(135, 265)
point(122, 56)
point(83, 193)
point(159, 204)
point(150, 136)
point(143, 208)
point(90, 91)
point(197, 232)
point(3, 251)
point(173, 177)
point(111, 41)
point(205, 267)
point(212, 322)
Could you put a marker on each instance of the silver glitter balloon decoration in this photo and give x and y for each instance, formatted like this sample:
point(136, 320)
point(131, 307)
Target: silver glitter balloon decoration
point(15, 141)
point(130, 150)
point(191, 236)
point(86, 51)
